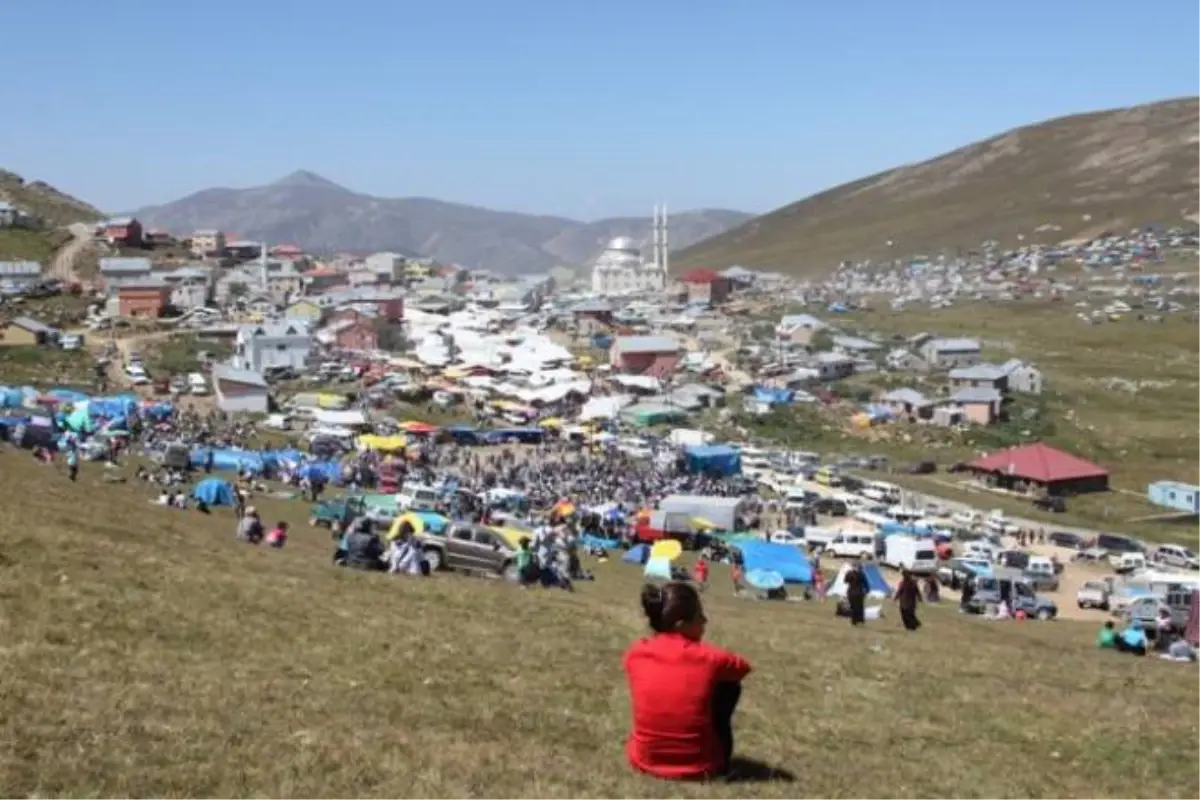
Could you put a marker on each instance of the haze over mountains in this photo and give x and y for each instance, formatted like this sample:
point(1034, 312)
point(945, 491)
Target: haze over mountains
point(321, 216)
point(1069, 177)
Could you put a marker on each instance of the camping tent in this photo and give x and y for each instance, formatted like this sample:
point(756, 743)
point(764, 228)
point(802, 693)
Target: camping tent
point(785, 559)
point(876, 585)
point(214, 492)
point(637, 554)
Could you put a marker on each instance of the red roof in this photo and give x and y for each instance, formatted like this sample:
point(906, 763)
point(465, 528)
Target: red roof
point(1039, 462)
point(699, 275)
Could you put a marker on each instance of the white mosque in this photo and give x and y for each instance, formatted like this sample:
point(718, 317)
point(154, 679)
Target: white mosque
point(620, 269)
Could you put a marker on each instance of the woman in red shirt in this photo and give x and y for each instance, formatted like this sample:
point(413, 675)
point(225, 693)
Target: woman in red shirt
point(684, 692)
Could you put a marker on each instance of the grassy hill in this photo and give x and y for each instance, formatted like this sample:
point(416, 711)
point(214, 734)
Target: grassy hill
point(148, 653)
point(57, 210)
point(1072, 176)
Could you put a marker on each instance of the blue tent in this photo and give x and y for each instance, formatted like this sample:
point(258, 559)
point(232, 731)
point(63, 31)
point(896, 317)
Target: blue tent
point(599, 542)
point(876, 583)
point(214, 492)
point(716, 459)
point(785, 559)
point(772, 396)
point(638, 554)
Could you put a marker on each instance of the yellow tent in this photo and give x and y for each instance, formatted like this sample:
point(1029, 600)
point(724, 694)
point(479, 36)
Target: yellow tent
point(384, 444)
point(669, 549)
point(553, 422)
point(701, 524)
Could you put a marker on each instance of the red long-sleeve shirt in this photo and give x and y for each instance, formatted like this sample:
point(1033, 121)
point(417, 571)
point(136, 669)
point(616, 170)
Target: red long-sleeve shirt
point(671, 680)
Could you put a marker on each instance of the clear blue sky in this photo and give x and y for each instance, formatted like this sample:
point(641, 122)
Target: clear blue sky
point(584, 109)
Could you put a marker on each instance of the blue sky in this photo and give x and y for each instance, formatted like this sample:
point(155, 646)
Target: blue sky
point(582, 109)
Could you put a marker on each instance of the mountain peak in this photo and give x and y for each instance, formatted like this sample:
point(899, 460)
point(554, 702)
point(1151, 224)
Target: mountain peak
point(303, 177)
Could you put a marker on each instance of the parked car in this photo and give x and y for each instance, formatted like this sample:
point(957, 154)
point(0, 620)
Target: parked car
point(1051, 503)
point(957, 571)
point(991, 590)
point(1174, 555)
point(470, 548)
point(1094, 594)
point(1071, 541)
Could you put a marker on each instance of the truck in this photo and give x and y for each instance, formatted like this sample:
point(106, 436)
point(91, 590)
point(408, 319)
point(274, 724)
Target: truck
point(915, 554)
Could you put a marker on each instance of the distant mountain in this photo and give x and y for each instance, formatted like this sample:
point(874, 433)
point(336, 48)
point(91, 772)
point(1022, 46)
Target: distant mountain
point(1066, 178)
point(320, 216)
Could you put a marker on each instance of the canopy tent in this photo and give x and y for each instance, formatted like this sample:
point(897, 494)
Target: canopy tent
point(384, 444)
point(413, 426)
point(713, 459)
point(786, 560)
point(214, 492)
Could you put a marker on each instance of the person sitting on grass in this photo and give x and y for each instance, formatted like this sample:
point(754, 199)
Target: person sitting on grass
point(278, 536)
point(683, 692)
point(1132, 639)
point(1107, 638)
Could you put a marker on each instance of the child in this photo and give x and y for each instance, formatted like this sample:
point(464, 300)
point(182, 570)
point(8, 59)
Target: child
point(701, 572)
point(277, 538)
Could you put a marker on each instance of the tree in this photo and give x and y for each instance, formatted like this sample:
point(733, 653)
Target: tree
point(390, 336)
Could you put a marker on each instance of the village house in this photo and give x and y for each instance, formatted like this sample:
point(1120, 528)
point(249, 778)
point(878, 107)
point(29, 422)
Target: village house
point(386, 268)
point(306, 309)
point(833, 366)
point(1022, 377)
point(593, 317)
point(191, 287)
point(241, 250)
point(240, 390)
point(20, 274)
point(908, 404)
point(706, 287)
point(275, 345)
point(158, 237)
point(980, 405)
point(13, 216)
point(207, 243)
point(855, 345)
point(1042, 466)
point(655, 356)
point(901, 360)
point(799, 329)
point(121, 231)
point(979, 376)
point(28, 332)
point(147, 297)
point(951, 353)
point(117, 271)
point(324, 279)
point(350, 333)
point(387, 302)
point(739, 277)
point(287, 252)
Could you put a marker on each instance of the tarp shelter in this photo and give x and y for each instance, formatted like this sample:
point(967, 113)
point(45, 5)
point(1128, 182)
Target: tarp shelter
point(343, 419)
point(638, 554)
point(773, 396)
point(785, 559)
point(877, 587)
point(1041, 464)
point(384, 444)
point(413, 426)
point(214, 492)
point(720, 511)
point(463, 434)
point(717, 460)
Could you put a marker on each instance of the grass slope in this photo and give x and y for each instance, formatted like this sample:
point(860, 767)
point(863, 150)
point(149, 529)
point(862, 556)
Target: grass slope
point(147, 653)
point(56, 210)
point(1123, 168)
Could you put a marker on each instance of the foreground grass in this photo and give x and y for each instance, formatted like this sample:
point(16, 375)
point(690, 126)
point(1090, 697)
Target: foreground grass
point(147, 653)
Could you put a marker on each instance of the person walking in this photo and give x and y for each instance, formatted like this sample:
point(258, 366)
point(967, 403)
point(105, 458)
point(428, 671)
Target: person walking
point(908, 594)
point(856, 593)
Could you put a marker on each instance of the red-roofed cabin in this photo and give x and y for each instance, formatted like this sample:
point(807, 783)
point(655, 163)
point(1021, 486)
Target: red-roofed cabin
point(159, 237)
point(706, 286)
point(121, 231)
point(1043, 466)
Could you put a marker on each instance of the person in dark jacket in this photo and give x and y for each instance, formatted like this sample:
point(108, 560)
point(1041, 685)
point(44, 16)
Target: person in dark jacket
point(363, 548)
point(908, 594)
point(856, 593)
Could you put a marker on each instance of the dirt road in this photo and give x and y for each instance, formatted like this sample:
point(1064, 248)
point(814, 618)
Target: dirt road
point(63, 265)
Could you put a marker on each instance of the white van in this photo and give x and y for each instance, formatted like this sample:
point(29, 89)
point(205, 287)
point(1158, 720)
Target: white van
point(882, 492)
point(820, 538)
point(416, 497)
point(852, 544)
point(918, 556)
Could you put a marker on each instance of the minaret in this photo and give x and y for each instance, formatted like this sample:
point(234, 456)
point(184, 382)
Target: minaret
point(666, 249)
point(262, 264)
point(657, 255)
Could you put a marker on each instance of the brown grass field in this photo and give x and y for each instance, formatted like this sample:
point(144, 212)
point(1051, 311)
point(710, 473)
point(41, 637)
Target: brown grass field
point(147, 653)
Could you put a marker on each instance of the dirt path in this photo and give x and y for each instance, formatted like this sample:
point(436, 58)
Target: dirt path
point(63, 265)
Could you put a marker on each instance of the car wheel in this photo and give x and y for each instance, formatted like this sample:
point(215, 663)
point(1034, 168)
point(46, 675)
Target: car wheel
point(313, 522)
point(1043, 614)
point(509, 572)
point(1082, 605)
point(433, 557)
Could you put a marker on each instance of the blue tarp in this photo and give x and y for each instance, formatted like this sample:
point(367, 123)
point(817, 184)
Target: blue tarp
point(590, 540)
point(214, 492)
point(896, 529)
point(786, 559)
point(67, 395)
point(875, 579)
point(463, 434)
point(638, 554)
point(709, 459)
point(772, 396)
point(11, 398)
